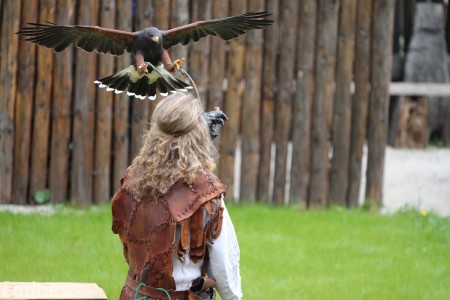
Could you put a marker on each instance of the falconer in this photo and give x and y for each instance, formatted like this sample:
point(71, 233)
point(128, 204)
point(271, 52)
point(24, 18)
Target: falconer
point(178, 238)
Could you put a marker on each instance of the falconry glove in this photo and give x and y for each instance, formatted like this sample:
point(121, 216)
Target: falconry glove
point(215, 119)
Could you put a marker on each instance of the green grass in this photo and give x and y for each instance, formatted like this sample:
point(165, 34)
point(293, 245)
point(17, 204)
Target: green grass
point(285, 253)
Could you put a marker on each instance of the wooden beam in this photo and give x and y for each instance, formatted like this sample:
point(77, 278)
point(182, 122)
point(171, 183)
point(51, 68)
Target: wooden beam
point(198, 65)
point(61, 110)
point(179, 16)
point(42, 106)
point(9, 41)
point(251, 109)
point(360, 103)
point(383, 13)
point(342, 103)
point(121, 103)
point(327, 23)
point(283, 106)
point(103, 115)
point(24, 109)
point(217, 57)
point(232, 104)
point(81, 192)
point(268, 102)
point(419, 89)
point(139, 108)
point(303, 102)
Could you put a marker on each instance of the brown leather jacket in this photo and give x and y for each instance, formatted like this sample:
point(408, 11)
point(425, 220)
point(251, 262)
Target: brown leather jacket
point(147, 229)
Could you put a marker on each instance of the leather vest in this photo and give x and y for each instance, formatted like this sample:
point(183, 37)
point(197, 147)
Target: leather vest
point(147, 227)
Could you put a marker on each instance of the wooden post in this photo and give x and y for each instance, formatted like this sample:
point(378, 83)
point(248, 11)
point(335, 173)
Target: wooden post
point(251, 109)
point(160, 19)
point(232, 104)
point(10, 23)
point(360, 102)
point(197, 62)
point(217, 67)
point(342, 106)
point(121, 102)
point(283, 106)
point(268, 102)
point(42, 107)
point(323, 102)
point(301, 134)
point(179, 15)
point(380, 77)
point(103, 118)
point(83, 123)
point(24, 110)
point(61, 110)
point(139, 108)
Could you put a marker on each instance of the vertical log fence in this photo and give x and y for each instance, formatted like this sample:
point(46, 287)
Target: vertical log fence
point(285, 87)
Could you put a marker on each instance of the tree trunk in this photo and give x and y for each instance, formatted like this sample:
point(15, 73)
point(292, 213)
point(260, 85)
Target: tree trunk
point(301, 135)
point(268, 103)
point(83, 123)
point(103, 126)
point(251, 109)
point(378, 106)
point(343, 104)
point(360, 102)
point(24, 110)
point(323, 102)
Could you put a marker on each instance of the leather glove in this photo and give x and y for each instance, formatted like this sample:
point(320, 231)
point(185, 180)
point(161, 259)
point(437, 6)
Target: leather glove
point(215, 119)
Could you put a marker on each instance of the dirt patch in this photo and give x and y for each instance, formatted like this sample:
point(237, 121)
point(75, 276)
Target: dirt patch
point(416, 179)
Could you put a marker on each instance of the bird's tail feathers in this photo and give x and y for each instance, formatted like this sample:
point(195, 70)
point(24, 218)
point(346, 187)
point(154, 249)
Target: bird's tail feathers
point(143, 86)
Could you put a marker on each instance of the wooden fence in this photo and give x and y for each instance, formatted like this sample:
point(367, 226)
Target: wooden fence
point(286, 84)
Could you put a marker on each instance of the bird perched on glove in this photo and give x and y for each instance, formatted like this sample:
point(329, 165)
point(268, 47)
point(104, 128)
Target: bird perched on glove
point(153, 68)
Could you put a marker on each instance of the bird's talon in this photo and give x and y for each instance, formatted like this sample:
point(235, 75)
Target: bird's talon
point(142, 69)
point(178, 63)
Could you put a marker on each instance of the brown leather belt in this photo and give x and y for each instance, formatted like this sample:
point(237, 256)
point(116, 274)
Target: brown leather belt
point(154, 293)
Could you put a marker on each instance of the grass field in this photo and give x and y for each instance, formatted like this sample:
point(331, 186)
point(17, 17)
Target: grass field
point(285, 253)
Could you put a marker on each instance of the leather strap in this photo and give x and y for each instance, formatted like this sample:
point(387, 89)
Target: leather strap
point(154, 293)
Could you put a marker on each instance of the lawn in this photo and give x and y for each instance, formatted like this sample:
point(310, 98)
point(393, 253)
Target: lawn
point(285, 253)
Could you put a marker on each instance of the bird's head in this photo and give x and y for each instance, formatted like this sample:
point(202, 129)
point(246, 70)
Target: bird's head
point(153, 34)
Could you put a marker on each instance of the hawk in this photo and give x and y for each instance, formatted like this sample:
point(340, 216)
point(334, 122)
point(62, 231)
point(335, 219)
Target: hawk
point(153, 68)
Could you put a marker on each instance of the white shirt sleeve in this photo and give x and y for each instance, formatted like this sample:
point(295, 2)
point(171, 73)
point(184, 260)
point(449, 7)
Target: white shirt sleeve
point(224, 260)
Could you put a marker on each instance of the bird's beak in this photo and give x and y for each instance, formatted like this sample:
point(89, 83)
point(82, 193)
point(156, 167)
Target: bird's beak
point(155, 38)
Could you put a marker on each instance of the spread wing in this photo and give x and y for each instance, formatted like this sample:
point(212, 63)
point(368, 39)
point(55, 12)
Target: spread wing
point(227, 28)
point(88, 38)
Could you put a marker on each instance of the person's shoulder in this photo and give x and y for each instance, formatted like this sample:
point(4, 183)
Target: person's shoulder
point(125, 192)
point(205, 175)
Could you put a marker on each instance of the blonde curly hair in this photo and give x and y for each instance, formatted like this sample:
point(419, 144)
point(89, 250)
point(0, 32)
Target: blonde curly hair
point(176, 146)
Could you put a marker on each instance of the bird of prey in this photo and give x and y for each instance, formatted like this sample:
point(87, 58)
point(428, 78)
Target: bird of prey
point(153, 68)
